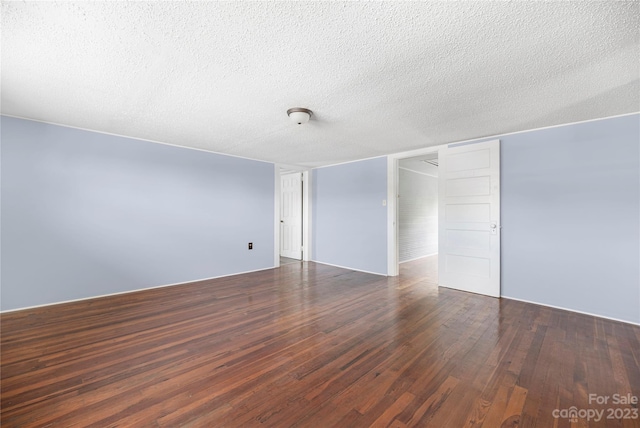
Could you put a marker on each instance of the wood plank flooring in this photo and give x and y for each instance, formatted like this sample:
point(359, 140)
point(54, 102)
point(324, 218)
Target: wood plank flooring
point(309, 345)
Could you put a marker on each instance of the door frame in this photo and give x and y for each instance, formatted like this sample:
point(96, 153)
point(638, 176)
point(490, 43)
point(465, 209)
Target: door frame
point(306, 211)
point(393, 258)
point(393, 263)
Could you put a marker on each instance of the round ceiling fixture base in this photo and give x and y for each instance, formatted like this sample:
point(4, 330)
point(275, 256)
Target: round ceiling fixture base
point(299, 115)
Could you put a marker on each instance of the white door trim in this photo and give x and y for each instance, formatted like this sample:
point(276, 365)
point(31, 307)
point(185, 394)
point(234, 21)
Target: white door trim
point(276, 216)
point(306, 214)
point(291, 220)
point(392, 203)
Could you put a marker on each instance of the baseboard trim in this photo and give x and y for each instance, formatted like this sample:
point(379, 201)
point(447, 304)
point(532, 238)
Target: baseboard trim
point(349, 268)
point(132, 291)
point(418, 258)
point(570, 310)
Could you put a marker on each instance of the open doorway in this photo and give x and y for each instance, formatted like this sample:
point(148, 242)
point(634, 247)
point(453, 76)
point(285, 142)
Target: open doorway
point(417, 207)
point(468, 205)
point(291, 216)
point(417, 172)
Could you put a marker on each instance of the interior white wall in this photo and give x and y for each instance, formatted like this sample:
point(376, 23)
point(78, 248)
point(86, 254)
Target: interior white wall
point(417, 214)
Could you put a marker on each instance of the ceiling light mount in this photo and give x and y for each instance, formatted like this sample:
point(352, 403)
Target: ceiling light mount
point(299, 115)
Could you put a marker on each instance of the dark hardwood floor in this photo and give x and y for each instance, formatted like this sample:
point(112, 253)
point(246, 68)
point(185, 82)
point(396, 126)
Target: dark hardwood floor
point(315, 346)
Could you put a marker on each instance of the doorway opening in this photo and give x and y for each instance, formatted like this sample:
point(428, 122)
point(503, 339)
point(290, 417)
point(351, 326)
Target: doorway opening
point(292, 216)
point(417, 207)
point(468, 219)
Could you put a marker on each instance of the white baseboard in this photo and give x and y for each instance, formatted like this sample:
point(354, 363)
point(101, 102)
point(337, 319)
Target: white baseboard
point(417, 258)
point(349, 268)
point(571, 310)
point(132, 291)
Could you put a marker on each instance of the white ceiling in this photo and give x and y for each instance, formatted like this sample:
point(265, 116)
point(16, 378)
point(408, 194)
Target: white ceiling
point(380, 77)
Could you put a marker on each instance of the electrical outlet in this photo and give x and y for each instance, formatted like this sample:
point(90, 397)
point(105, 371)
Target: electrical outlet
point(251, 245)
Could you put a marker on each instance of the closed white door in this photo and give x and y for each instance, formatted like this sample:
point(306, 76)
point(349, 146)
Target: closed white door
point(291, 216)
point(469, 218)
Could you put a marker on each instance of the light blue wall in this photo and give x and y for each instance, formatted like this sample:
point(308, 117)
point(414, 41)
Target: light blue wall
point(348, 218)
point(87, 214)
point(570, 209)
point(571, 217)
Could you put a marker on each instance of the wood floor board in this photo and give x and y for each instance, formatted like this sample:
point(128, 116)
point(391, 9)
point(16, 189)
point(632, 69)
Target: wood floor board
point(310, 345)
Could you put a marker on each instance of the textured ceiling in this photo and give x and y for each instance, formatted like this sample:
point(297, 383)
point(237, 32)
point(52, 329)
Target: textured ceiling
point(380, 77)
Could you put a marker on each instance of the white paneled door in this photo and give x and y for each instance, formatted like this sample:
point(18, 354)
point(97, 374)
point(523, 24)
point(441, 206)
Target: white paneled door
point(291, 216)
point(469, 218)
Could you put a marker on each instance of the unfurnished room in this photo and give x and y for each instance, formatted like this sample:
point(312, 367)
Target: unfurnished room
point(320, 214)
